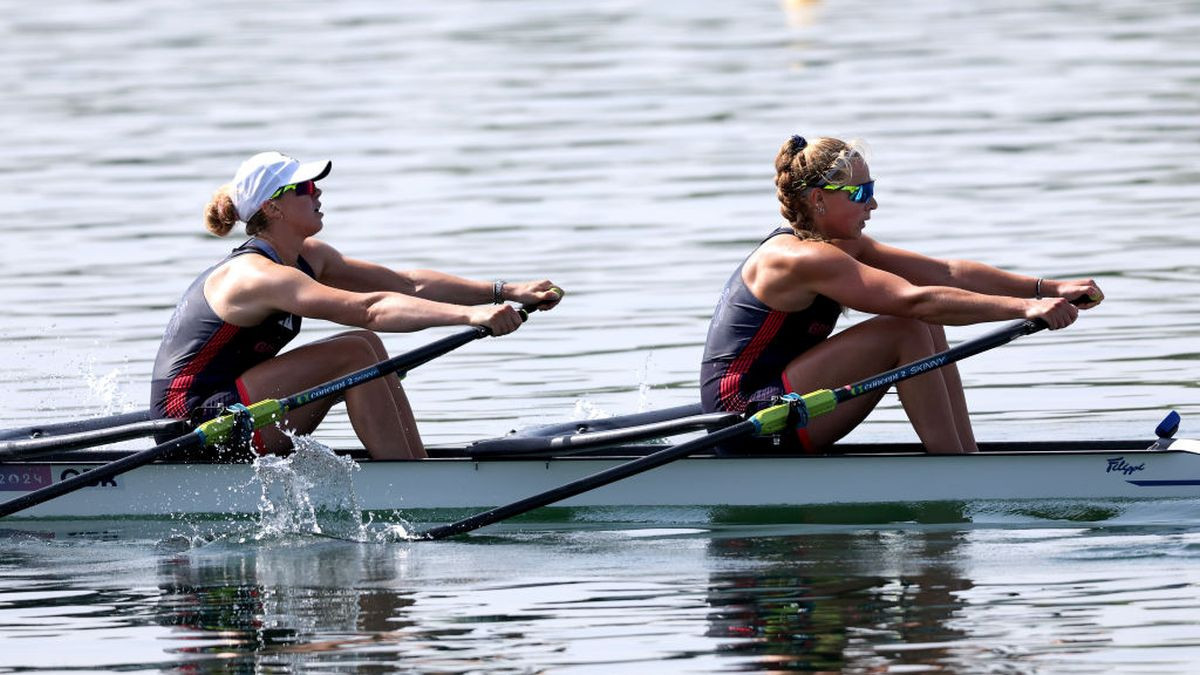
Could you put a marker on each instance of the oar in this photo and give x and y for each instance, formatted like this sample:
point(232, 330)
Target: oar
point(584, 441)
point(218, 430)
point(38, 444)
point(794, 411)
point(42, 431)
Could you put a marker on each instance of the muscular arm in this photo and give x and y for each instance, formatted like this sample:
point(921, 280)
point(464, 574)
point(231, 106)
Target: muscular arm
point(787, 276)
point(969, 274)
point(338, 271)
point(246, 291)
point(925, 271)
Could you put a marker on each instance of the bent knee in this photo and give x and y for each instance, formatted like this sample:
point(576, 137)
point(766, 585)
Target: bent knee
point(362, 339)
point(899, 325)
point(911, 331)
point(350, 351)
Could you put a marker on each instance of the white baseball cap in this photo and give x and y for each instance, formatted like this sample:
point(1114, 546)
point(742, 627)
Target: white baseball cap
point(260, 176)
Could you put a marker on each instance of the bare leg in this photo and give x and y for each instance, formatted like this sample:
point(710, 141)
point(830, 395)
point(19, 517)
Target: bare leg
point(411, 438)
point(954, 387)
point(378, 409)
point(871, 347)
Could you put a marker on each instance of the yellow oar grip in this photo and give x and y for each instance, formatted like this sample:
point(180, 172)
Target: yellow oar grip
point(819, 402)
point(216, 430)
point(774, 420)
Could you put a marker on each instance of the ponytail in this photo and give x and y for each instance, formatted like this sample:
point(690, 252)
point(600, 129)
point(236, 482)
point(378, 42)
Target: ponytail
point(220, 215)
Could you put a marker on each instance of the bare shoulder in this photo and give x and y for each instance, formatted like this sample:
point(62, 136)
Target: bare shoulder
point(250, 274)
point(787, 274)
point(248, 288)
point(795, 258)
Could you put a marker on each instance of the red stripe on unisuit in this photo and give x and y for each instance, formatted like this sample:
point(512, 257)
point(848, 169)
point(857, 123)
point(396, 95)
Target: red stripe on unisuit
point(731, 393)
point(801, 432)
point(260, 445)
point(176, 405)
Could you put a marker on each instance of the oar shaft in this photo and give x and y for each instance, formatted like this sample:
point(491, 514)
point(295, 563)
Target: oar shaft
point(14, 450)
point(403, 362)
point(76, 426)
point(996, 338)
point(598, 479)
point(34, 440)
point(776, 418)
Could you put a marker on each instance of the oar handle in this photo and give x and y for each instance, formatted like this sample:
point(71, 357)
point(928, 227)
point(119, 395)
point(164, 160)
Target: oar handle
point(523, 311)
point(1040, 324)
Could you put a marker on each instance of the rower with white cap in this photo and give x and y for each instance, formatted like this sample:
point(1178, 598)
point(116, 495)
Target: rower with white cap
point(222, 345)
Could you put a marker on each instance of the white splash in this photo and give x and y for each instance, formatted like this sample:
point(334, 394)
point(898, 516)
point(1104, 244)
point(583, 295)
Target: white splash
point(106, 389)
point(587, 410)
point(309, 492)
point(643, 378)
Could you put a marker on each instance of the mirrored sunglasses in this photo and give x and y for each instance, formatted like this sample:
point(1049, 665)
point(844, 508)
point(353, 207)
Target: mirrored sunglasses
point(308, 187)
point(859, 194)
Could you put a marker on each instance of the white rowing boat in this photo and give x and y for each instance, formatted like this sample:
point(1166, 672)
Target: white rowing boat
point(879, 474)
point(585, 464)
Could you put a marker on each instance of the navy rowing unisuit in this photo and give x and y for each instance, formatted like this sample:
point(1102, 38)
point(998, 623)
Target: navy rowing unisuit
point(749, 344)
point(201, 358)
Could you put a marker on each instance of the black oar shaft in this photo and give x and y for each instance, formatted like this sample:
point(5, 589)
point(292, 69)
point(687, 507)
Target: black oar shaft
point(24, 442)
point(996, 338)
point(598, 479)
point(40, 431)
point(14, 450)
point(405, 361)
point(767, 421)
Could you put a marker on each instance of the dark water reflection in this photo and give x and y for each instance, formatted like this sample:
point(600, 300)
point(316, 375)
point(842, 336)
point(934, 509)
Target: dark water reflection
point(794, 615)
point(272, 606)
point(807, 603)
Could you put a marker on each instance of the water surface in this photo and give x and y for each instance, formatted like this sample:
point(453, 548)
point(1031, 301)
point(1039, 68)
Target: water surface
point(624, 150)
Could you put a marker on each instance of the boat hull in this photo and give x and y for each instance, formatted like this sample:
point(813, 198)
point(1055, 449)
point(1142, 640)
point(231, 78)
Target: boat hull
point(171, 489)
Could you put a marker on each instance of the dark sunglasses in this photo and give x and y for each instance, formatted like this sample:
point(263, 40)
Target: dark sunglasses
point(859, 194)
point(304, 189)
